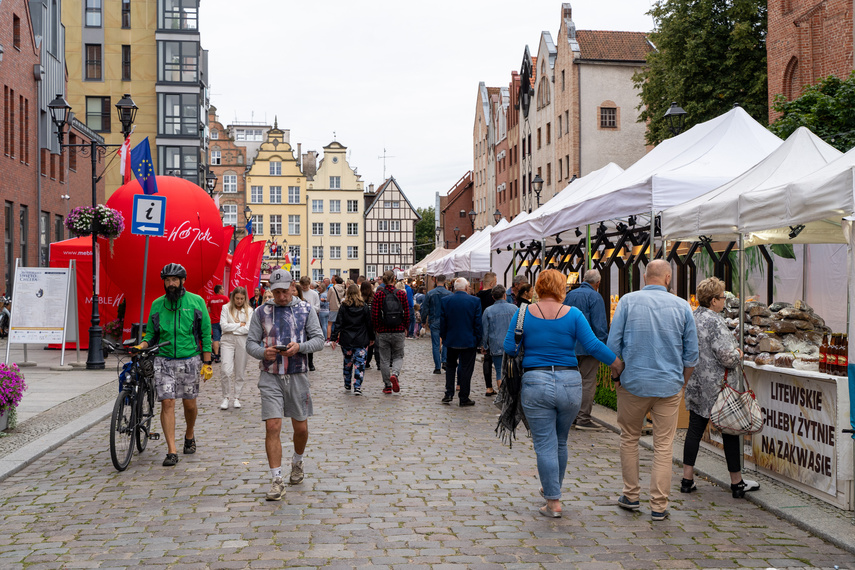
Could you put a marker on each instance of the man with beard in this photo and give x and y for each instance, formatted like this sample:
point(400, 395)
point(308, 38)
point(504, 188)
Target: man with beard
point(180, 318)
point(282, 333)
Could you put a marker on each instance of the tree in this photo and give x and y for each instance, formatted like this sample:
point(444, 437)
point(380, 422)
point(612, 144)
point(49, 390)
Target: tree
point(710, 55)
point(827, 109)
point(425, 233)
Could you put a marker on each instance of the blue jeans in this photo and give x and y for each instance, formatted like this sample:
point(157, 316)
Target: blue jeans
point(497, 365)
point(323, 319)
point(551, 400)
point(435, 342)
point(411, 328)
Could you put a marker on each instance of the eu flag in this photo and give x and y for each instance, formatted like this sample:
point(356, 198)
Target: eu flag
point(249, 227)
point(143, 168)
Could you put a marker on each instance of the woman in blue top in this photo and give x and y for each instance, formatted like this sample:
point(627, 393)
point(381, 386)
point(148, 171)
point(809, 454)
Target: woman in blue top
point(551, 384)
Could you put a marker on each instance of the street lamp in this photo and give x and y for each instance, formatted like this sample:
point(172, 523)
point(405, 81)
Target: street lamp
point(537, 186)
point(210, 183)
point(675, 116)
point(497, 215)
point(472, 215)
point(457, 233)
point(59, 113)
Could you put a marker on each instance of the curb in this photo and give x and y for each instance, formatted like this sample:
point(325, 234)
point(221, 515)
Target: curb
point(20, 458)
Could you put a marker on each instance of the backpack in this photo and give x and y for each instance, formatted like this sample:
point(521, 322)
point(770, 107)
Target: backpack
point(391, 311)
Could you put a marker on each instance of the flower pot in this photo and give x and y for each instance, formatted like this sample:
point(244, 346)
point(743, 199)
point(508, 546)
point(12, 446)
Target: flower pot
point(4, 420)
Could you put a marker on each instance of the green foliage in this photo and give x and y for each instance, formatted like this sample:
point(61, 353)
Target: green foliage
point(425, 233)
point(710, 55)
point(605, 394)
point(827, 109)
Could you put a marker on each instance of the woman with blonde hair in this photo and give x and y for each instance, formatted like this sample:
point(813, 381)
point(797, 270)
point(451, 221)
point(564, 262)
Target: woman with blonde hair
point(235, 317)
point(353, 328)
point(551, 390)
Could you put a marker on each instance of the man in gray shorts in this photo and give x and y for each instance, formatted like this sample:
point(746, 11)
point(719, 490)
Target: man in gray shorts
point(282, 333)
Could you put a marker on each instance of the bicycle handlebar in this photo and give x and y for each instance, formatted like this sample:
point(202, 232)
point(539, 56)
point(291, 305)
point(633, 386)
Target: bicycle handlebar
point(111, 347)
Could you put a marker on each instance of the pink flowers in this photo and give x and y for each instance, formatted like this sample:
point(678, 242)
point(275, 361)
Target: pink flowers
point(12, 386)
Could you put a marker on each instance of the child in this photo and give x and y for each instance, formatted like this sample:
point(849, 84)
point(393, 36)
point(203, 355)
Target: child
point(418, 328)
point(353, 329)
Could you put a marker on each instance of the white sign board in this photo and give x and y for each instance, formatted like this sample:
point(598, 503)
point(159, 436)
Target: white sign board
point(798, 438)
point(38, 305)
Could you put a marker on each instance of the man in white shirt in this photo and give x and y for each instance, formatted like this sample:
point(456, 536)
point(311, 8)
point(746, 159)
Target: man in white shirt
point(311, 296)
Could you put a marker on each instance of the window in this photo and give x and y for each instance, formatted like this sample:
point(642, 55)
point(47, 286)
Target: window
point(16, 31)
point(335, 272)
point(93, 13)
point(179, 114)
point(352, 229)
point(256, 194)
point(371, 271)
point(179, 61)
point(562, 80)
point(178, 15)
point(275, 194)
point(317, 228)
point(317, 206)
point(44, 238)
point(8, 233)
point(395, 225)
point(229, 183)
point(388, 268)
point(126, 14)
point(58, 229)
point(215, 134)
point(252, 135)
point(317, 275)
point(538, 139)
point(294, 250)
point(548, 173)
point(383, 248)
point(93, 62)
point(258, 224)
point(353, 252)
point(388, 203)
point(353, 206)
point(230, 215)
point(608, 118)
point(560, 169)
point(294, 225)
point(395, 248)
point(276, 224)
point(559, 126)
point(382, 225)
point(98, 114)
point(335, 206)
point(215, 157)
point(25, 231)
point(275, 168)
point(126, 63)
point(335, 252)
point(318, 251)
point(335, 182)
point(566, 122)
point(335, 228)
point(180, 161)
point(293, 194)
point(548, 133)
point(396, 204)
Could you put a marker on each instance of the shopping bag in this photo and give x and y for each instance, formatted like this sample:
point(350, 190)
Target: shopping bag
point(735, 412)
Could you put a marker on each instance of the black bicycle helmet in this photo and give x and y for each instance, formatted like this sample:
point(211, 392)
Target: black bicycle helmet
point(173, 270)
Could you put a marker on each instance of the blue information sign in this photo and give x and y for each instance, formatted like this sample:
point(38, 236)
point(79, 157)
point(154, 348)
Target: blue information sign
point(149, 218)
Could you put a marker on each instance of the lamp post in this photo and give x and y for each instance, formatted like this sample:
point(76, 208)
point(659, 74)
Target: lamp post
point(676, 116)
point(497, 215)
point(438, 233)
point(59, 112)
point(210, 183)
point(457, 234)
point(472, 216)
point(537, 186)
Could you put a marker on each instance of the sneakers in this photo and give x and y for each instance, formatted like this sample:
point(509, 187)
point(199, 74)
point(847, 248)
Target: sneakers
point(277, 490)
point(447, 399)
point(437, 371)
point(659, 516)
point(237, 403)
point(189, 446)
point(587, 426)
point(625, 503)
point(466, 403)
point(394, 380)
point(357, 391)
point(387, 389)
point(744, 486)
point(171, 460)
point(225, 404)
point(296, 473)
point(687, 485)
point(347, 387)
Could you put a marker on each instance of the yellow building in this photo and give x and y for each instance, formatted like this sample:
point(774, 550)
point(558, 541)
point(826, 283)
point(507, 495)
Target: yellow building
point(276, 194)
point(335, 232)
point(151, 50)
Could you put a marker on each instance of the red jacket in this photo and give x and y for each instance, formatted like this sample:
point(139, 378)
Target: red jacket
point(377, 304)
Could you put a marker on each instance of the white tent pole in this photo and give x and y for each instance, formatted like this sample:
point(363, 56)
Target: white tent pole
point(741, 307)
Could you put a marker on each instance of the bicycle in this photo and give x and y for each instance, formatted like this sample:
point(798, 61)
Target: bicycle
point(133, 411)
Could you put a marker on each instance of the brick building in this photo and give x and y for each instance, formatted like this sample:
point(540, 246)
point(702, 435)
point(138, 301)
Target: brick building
point(38, 185)
point(228, 161)
point(454, 210)
point(806, 41)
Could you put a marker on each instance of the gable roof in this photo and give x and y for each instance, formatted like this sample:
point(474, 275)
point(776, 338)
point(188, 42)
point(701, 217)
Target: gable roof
point(613, 46)
point(382, 189)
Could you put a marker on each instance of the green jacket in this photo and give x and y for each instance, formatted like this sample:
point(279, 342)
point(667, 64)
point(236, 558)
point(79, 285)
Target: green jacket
point(187, 327)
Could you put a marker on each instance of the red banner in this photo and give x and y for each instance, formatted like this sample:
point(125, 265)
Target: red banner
point(217, 277)
point(240, 263)
point(252, 271)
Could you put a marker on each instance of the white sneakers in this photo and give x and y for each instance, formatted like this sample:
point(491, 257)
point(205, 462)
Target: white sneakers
point(237, 403)
point(225, 404)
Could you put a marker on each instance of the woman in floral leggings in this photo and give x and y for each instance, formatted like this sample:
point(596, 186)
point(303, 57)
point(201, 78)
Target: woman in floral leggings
point(353, 330)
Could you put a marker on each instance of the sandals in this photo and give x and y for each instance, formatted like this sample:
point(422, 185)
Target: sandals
point(171, 460)
point(491, 393)
point(547, 512)
point(189, 446)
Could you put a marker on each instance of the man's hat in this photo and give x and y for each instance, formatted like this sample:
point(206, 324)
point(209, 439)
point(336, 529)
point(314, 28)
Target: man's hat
point(280, 279)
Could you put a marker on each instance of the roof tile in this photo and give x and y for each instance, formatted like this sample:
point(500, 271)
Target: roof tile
point(613, 46)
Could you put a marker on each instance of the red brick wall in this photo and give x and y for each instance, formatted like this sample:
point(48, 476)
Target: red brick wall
point(807, 40)
point(459, 198)
point(233, 161)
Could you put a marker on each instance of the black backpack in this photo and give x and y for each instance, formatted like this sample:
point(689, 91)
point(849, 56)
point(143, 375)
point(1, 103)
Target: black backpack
point(391, 311)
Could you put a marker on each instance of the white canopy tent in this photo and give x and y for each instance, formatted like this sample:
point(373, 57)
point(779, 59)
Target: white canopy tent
point(473, 256)
point(716, 214)
point(420, 268)
point(681, 168)
point(530, 226)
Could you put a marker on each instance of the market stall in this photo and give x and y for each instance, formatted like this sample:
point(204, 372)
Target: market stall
point(420, 268)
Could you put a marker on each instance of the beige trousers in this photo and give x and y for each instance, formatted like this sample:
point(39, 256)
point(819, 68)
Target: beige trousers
point(631, 411)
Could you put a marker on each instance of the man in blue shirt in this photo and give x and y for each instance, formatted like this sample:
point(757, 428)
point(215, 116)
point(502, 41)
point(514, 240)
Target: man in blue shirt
point(410, 301)
point(654, 332)
point(460, 330)
point(496, 322)
point(591, 303)
point(431, 312)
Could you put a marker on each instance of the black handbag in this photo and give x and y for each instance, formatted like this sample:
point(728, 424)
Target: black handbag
point(508, 400)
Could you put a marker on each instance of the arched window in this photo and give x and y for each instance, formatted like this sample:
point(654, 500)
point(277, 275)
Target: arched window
point(790, 85)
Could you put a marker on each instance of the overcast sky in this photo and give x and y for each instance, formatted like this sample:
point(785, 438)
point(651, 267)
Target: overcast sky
point(393, 74)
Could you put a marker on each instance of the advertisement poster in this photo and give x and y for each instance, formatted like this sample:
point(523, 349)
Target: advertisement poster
point(798, 439)
point(38, 305)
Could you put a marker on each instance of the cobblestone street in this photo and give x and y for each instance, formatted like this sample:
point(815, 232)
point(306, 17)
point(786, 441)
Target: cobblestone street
point(391, 481)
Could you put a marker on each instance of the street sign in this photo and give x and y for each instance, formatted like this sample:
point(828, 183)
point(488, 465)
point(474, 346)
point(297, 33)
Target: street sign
point(149, 218)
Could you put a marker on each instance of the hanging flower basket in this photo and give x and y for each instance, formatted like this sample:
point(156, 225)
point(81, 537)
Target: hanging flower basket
point(12, 387)
point(109, 223)
point(113, 329)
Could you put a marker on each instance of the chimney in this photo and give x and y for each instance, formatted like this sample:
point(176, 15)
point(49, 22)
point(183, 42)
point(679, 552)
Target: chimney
point(566, 11)
point(371, 188)
point(300, 156)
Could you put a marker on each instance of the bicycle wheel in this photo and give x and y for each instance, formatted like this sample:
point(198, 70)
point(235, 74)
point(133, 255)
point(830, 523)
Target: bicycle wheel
point(146, 413)
point(122, 431)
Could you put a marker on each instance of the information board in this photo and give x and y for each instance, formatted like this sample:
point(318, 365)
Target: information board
point(38, 305)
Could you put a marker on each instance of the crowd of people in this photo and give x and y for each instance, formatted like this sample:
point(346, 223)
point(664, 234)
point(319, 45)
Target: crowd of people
point(657, 349)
